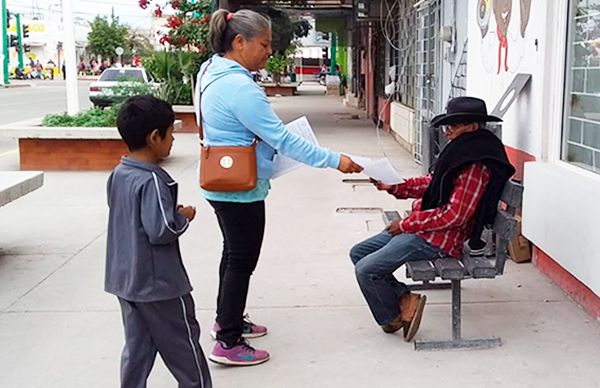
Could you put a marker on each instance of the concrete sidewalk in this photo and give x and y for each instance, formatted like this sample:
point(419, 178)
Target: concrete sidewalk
point(59, 329)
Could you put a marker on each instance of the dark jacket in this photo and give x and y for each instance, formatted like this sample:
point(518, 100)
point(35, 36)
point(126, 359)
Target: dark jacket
point(143, 260)
point(479, 146)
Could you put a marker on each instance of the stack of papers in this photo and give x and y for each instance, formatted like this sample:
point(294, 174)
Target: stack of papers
point(302, 128)
point(380, 170)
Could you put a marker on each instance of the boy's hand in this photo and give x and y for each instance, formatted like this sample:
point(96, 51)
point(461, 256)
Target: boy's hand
point(381, 186)
point(188, 212)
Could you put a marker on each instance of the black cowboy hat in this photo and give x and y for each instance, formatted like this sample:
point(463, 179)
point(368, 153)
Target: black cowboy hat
point(464, 110)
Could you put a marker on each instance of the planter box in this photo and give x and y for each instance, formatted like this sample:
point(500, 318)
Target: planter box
point(186, 114)
point(66, 148)
point(284, 89)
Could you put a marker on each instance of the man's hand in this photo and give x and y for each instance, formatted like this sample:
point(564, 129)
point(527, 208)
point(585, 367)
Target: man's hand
point(381, 186)
point(188, 212)
point(394, 227)
point(348, 166)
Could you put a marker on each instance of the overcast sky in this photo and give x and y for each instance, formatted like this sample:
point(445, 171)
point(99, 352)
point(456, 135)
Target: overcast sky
point(128, 10)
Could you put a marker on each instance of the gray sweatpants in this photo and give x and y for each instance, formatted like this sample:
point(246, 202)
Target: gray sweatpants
point(170, 328)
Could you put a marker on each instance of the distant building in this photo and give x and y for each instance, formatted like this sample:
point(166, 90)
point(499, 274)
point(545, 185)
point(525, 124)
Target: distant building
point(45, 41)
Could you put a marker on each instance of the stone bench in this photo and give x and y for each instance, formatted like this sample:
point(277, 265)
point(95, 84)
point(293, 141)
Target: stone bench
point(66, 148)
point(283, 89)
point(15, 184)
point(488, 266)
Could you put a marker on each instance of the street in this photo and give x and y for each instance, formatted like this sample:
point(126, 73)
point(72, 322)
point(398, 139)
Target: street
point(23, 103)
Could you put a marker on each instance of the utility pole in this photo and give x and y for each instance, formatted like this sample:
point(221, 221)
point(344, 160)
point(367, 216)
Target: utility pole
point(5, 57)
point(70, 60)
point(20, 40)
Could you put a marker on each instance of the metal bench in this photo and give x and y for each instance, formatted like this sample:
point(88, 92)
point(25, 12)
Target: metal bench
point(467, 267)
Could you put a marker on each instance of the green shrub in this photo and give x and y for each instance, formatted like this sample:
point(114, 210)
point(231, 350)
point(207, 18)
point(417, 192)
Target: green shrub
point(175, 71)
point(94, 117)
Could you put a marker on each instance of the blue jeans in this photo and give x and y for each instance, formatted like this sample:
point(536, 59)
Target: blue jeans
point(375, 261)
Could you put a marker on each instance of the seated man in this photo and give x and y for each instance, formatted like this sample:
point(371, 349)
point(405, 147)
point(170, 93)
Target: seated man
point(453, 205)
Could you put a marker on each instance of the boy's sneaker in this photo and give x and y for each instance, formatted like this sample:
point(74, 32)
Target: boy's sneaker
point(249, 329)
point(241, 354)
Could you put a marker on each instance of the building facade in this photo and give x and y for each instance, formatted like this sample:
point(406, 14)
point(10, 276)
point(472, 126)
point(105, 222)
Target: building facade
point(552, 132)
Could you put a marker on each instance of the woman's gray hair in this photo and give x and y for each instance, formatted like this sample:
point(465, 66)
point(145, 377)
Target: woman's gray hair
point(225, 26)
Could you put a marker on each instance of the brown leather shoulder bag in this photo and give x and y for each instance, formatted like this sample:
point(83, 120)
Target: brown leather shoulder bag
point(225, 168)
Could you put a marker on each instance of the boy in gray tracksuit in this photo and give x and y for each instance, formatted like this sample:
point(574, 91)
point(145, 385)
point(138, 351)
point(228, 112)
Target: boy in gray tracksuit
point(143, 262)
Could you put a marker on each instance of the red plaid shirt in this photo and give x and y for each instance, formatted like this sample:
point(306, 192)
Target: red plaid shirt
point(447, 227)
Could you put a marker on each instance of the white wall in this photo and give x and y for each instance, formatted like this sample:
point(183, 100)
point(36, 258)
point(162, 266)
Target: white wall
point(561, 215)
point(402, 124)
point(522, 128)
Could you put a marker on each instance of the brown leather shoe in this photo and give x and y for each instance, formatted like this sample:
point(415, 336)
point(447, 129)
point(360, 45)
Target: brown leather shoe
point(395, 325)
point(411, 312)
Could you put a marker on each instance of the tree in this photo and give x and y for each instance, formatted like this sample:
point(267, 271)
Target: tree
point(188, 26)
point(105, 37)
point(139, 42)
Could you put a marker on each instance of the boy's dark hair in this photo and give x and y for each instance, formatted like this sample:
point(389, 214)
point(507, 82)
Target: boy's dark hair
point(139, 116)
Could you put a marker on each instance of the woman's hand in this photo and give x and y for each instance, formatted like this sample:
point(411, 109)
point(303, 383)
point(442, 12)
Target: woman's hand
point(348, 166)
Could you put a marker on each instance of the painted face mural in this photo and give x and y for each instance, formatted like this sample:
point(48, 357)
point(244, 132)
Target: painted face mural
point(494, 47)
point(484, 10)
point(525, 9)
point(502, 12)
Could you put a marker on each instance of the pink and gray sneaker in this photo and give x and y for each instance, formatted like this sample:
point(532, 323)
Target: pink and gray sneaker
point(241, 354)
point(249, 330)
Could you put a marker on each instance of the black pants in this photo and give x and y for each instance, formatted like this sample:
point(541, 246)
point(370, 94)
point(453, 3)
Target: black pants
point(243, 227)
point(168, 327)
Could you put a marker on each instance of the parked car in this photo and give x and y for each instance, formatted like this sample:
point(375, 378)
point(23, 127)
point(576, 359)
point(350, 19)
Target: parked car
point(117, 83)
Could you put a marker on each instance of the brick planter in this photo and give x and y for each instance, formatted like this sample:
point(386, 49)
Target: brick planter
point(66, 149)
point(284, 89)
point(70, 154)
point(186, 114)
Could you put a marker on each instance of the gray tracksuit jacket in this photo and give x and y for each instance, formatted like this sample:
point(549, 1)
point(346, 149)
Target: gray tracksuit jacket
point(143, 260)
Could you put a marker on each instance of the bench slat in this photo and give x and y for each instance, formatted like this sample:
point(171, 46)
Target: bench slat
point(421, 270)
point(389, 216)
point(479, 267)
point(449, 269)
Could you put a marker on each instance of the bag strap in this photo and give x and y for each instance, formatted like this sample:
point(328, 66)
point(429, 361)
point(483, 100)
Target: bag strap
point(200, 126)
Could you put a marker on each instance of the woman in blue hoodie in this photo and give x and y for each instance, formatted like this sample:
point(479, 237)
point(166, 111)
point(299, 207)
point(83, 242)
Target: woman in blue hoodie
point(235, 110)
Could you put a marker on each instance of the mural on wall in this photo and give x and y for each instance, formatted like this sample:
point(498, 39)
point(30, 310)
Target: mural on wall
point(507, 34)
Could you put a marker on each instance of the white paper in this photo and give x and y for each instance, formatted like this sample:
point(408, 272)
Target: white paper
point(380, 170)
point(302, 128)
point(361, 160)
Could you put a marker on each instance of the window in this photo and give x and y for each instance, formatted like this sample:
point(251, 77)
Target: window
point(407, 54)
point(581, 134)
point(118, 74)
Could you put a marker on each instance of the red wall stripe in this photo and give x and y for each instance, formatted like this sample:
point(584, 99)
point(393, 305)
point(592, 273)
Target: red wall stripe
point(569, 283)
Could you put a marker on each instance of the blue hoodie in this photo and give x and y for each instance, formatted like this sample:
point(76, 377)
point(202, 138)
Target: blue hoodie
point(234, 111)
